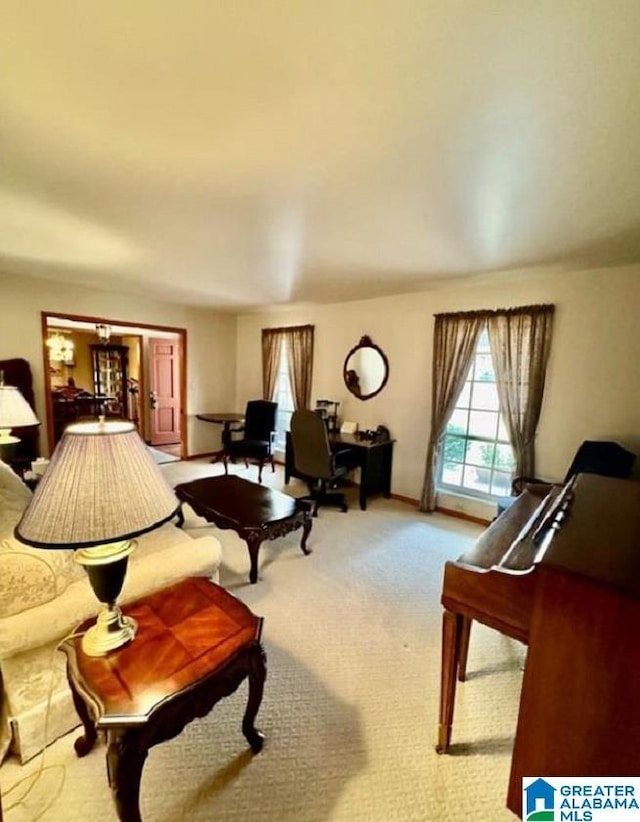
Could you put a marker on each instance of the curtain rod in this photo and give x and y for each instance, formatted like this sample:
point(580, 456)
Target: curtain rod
point(494, 312)
point(289, 328)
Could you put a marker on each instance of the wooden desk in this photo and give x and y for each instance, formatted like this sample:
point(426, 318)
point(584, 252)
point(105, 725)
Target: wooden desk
point(374, 459)
point(195, 644)
point(226, 420)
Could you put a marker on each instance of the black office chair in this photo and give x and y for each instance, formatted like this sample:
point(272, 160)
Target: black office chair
point(315, 461)
point(608, 459)
point(256, 443)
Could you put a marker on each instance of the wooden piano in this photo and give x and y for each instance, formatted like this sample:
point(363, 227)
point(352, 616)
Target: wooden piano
point(560, 571)
point(493, 583)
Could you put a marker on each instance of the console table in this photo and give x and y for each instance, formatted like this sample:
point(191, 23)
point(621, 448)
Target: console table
point(374, 459)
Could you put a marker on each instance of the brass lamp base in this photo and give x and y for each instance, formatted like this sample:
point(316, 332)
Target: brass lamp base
point(106, 566)
point(112, 630)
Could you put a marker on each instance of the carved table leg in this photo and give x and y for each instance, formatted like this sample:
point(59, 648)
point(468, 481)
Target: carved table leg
point(254, 541)
point(84, 743)
point(306, 530)
point(125, 759)
point(257, 675)
point(451, 635)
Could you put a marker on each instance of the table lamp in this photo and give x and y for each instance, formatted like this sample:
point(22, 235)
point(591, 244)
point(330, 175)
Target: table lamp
point(101, 489)
point(15, 412)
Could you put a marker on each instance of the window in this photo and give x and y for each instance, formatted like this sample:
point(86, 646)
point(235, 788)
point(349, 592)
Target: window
point(283, 395)
point(476, 456)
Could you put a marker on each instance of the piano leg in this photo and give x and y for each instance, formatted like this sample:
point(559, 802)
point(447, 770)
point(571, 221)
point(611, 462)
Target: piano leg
point(452, 631)
point(464, 649)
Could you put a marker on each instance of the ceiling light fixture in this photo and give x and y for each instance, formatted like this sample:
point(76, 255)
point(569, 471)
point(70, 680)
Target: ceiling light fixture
point(61, 348)
point(104, 333)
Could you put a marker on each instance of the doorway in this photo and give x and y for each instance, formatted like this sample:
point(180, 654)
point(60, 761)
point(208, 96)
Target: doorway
point(164, 392)
point(99, 366)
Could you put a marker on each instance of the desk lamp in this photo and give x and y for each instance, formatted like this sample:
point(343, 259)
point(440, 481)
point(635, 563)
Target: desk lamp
point(101, 489)
point(15, 412)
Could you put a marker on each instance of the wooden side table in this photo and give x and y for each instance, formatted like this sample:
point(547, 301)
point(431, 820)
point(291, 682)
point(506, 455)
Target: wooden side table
point(226, 420)
point(195, 644)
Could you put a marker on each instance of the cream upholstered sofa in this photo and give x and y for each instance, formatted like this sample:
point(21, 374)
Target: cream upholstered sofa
point(44, 595)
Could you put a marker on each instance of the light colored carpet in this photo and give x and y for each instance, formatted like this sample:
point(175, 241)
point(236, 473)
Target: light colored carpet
point(352, 635)
point(162, 457)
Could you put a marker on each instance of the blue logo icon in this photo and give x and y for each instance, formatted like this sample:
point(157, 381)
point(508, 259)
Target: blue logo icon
point(540, 801)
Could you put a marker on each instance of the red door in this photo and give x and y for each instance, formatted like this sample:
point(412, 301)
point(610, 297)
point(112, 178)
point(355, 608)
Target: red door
point(165, 391)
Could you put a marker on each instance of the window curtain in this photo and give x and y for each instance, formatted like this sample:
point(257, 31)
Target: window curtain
point(299, 339)
point(271, 348)
point(300, 347)
point(520, 340)
point(455, 338)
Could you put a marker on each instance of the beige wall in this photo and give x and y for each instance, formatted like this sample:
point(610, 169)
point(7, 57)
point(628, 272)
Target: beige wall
point(593, 385)
point(593, 379)
point(211, 341)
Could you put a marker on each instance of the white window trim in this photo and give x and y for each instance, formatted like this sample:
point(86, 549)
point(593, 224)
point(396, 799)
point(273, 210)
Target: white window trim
point(461, 490)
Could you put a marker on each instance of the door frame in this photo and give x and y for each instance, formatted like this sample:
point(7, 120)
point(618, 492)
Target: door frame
point(81, 318)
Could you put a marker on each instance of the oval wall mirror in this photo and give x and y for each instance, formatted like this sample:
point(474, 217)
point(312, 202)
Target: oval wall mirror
point(366, 369)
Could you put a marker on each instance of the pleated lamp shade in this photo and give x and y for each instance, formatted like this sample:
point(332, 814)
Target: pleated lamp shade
point(15, 412)
point(101, 486)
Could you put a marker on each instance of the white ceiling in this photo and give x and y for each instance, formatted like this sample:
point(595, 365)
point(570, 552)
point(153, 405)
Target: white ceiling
point(273, 151)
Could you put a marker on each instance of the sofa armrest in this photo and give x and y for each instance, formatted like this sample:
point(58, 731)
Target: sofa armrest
point(151, 566)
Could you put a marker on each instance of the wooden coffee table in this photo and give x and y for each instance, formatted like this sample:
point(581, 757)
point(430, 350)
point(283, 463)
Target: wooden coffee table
point(253, 511)
point(195, 644)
